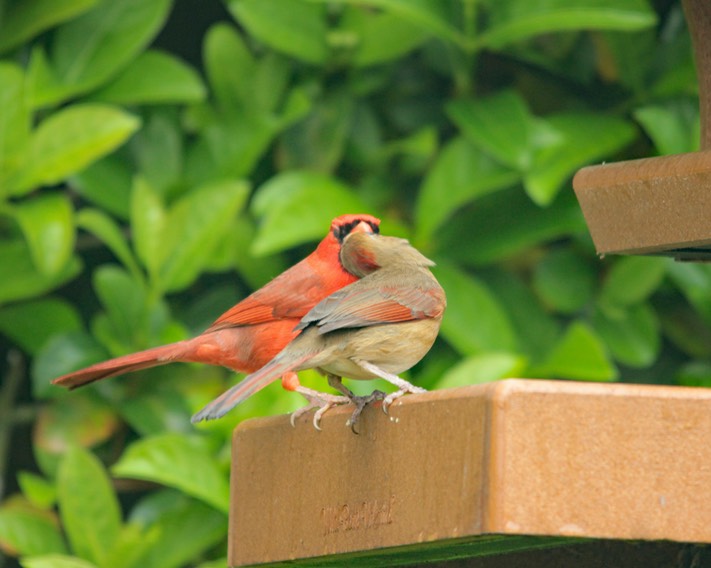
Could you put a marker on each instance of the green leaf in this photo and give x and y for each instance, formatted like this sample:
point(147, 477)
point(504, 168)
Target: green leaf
point(630, 58)
point(177, 461)
point(71, 139)
point(26, 531)
point(505, 223)
point(517, 20)
point(686, 327)
point(537, 329)
point(461, 174)
point(474, 320)
point(435, 16)
point(694, 374)
point(158, 148)
point(483, 368)
point(24, 20)
point(60, 354)
point(227, 62)
point(31, 324)
point(154, 77)
point(148, 221)
point(195, 226)
point(631, 280)
point(579, 355)
point(295, 28)
point(76, 419)
point(583, 138)
point(107, 183)
point(125, 301)
point(254, 271)
point(499, 124)
point(37, 490)
point(296, 207)
point(378, 37)
point(56, 561)
point(87, 504)
point(186, 528)
point(219, 563)
point(694, 281)
point(103, 227)
point(132, 546)
point(318, 142)
point(94, 47)
point(633, 337)
point(237, 136)
point(48, 225)
point(157, 411)
point(230, 146)
point(27, 281)
point(673, 127)
point(564, 280)
point(14, 122)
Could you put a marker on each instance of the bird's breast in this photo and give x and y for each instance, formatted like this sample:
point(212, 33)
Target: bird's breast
point(394, 347)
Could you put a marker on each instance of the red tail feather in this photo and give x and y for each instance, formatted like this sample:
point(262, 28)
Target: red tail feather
point(126, 364)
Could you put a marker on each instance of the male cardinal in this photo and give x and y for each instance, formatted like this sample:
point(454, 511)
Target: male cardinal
point(377, 326)
point(251, 333)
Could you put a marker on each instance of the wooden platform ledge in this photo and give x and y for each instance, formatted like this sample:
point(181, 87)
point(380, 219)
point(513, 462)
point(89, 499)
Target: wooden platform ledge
point(475, 470)
point(658, 205)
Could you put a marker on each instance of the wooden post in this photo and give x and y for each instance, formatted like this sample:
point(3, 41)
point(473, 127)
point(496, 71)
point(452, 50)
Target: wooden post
point(698, 18)
point(658, 205)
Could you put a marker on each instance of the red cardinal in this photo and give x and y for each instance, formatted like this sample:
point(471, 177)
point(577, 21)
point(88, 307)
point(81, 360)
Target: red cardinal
point(378, 326)
point(248, 335)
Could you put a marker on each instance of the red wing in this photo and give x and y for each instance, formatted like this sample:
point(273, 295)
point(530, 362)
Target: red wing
point(245, 313)
point(290, 295)
point(294, 292)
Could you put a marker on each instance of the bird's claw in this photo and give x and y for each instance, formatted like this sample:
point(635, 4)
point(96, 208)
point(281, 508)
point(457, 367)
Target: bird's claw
point(402, 385)
point(393, 396)
point(322, 402)
point(360, 403)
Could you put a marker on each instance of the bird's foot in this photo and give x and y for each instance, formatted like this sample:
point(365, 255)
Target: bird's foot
point(321, 401)
point(393, 396)
point(402, 385)
point(360, 403)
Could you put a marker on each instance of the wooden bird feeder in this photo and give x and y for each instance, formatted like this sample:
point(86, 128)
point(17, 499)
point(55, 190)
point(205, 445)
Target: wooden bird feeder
point(519, 473)
point(659, 206)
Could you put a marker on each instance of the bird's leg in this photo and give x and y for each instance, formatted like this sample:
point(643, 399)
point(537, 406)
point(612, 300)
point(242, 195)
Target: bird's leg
point(320, 401)
point(402, 385)
point(336, 383)
point(360, 402)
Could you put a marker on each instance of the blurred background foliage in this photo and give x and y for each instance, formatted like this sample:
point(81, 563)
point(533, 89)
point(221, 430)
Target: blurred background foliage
point(160, 159)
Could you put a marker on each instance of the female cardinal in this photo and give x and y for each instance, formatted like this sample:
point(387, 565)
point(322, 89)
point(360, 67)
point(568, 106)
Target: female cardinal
point(377, 326)
point(251, 333)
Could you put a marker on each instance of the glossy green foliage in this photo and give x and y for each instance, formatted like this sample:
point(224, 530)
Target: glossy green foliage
point(156, 167)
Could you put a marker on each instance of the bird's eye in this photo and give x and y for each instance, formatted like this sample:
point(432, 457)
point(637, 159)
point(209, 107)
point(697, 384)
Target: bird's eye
point(342, 231)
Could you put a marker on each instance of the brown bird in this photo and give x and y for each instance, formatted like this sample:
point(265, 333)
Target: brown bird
point(251, 333)
point(378, 326)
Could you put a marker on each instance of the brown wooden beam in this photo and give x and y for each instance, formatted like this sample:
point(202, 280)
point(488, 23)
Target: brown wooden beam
point(490, 464)
point(658, 205)
point(649, 206)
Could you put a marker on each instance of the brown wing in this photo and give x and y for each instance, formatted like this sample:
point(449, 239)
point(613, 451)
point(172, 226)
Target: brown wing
point(349, 308)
